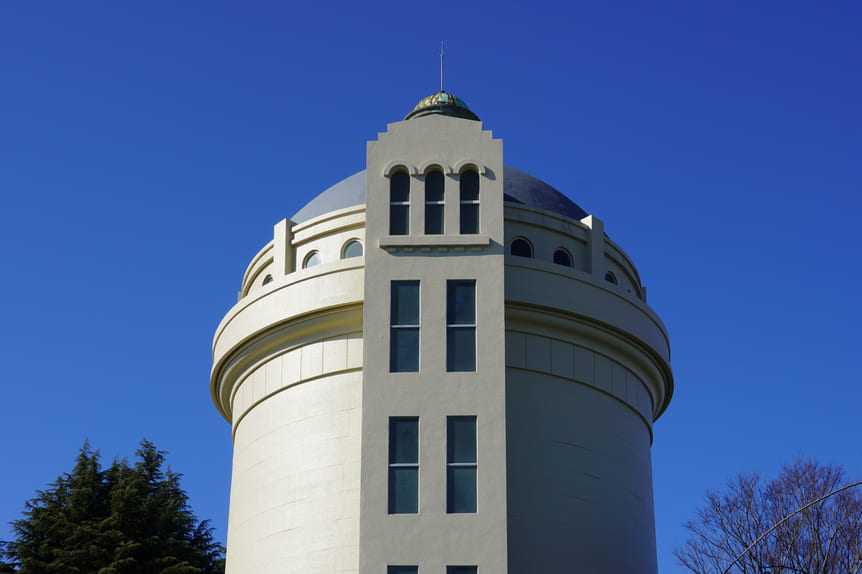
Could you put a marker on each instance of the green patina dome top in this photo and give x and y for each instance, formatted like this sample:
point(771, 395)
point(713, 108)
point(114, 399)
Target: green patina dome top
point(442, 103)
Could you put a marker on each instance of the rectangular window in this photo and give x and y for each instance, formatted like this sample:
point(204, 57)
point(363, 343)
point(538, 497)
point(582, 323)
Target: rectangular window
point(461, 570)
point(404, 327)
point(403, 465)
point(402, 570)
point(461, 326)
point(461, 464)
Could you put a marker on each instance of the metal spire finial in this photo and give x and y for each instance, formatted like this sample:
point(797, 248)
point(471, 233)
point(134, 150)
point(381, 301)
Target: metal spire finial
point(442, 51)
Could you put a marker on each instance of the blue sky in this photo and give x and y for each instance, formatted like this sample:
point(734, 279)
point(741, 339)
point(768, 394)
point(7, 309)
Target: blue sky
point(147, 149)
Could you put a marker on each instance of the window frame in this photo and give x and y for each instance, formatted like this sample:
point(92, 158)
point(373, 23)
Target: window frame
point(565, 253)
point(349, 243)
point(309, 256)
point(526, 242)
point(451, 465)
point(399, 206)
point(395, 327)
point(393, 467)
point(439, 205)
point(465, 202)
point(453, 327)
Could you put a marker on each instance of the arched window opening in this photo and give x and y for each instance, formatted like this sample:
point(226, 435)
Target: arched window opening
point(352, 248)
point(435, 183)
point(311, 260)
point(267, 279)
point(611, 278)
point(399, 204)
point(469, 202)
point(521, 248)
point(562, 257)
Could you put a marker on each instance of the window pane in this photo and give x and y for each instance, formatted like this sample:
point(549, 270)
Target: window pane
point(460, 349)
point(461, 570)
point(433, 219)
point(403, 490)
point(521, 248)
point(403, 440)
point(461, 303)
point(434, 182)
point(469, 218)
point(404, 350)
point(461, 492)
point(404, 309)
point(352, 249)
point(469, 185)
point(399, 219)
point(562, 258)
point(399, 187)
point(403, 570)
point(461, 439)
point(312, 260)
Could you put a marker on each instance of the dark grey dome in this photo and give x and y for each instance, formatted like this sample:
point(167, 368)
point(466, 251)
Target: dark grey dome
point(518, 187)
point(346, 193)
point(521, 187)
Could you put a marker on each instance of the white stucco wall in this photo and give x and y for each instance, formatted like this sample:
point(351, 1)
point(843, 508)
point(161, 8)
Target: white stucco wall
point(295, 485)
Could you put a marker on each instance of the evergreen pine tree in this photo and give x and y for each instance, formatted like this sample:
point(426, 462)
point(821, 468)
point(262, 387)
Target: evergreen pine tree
point(122, 520)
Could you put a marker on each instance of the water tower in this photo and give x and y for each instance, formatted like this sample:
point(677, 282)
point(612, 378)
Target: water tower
point(441, 364)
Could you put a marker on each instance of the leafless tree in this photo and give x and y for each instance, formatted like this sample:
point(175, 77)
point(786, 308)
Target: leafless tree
point(825, 538)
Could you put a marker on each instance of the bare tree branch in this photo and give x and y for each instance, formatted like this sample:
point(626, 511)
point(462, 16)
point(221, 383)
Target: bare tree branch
point(802, 522)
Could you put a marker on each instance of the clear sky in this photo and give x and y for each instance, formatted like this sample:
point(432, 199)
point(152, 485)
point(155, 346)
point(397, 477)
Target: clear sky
point(147, 149)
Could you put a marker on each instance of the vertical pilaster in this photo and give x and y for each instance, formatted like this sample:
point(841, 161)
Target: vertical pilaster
point(452, 196)
point(596, 245)
point(282, 247)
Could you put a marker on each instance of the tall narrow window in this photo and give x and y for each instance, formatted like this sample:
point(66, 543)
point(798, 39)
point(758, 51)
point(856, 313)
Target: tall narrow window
point(461, 326)
point(404, 327)
point(469, 202)
point(399, 204)
point(461, 464)
point(434, 202)
point(403, 465)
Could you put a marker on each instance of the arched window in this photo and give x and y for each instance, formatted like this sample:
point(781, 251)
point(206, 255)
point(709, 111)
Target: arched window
point(435, 182)
point(311, 260)
point(610, 278)
point(469, 202)
point(521, 247)
point(351, 249)
point(267, 279)
point(399, 204)
point(562, 257)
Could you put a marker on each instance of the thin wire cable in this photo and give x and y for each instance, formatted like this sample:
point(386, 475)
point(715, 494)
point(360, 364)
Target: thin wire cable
point(783, 520)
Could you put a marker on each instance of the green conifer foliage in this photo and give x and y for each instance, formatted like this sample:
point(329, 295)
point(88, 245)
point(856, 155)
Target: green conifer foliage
point(126, 519)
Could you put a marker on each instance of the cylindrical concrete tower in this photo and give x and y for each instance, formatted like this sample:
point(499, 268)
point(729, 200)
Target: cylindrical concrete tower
point(441, 365)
